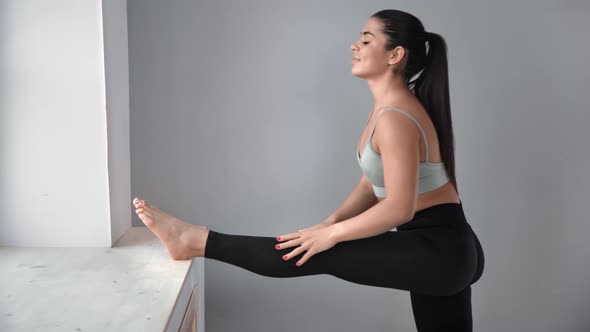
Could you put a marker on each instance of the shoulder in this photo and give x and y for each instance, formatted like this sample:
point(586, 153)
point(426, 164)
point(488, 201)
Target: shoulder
point(391, 120)
point(393, 126)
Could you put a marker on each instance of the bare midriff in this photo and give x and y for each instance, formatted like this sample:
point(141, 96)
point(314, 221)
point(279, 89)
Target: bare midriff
point(444, 194)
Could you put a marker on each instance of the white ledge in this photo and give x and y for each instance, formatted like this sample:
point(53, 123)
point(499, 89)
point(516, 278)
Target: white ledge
point(134, 286)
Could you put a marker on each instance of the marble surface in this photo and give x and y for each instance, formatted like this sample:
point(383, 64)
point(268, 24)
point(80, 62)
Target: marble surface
point(134, 286)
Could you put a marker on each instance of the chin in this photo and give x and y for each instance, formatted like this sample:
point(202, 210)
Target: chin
point(357, 74)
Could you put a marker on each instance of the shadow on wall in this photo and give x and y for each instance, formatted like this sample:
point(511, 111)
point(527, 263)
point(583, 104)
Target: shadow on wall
point(4, 110)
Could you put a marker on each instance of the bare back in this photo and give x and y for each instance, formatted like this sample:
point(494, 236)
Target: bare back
point(444, 194)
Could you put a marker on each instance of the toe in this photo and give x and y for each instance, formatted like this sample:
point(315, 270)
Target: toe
point(137, 202)
point(145, 218)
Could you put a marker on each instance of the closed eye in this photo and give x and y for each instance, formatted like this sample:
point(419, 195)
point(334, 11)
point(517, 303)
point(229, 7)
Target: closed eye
point(365, 43)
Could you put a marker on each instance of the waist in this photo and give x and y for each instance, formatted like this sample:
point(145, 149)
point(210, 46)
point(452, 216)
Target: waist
point(445, 214)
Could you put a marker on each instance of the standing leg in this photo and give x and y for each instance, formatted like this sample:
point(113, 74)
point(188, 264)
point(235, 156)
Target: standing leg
point(443, 313)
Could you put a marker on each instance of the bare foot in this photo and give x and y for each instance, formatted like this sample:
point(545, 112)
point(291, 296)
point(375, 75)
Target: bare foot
point(181, 239)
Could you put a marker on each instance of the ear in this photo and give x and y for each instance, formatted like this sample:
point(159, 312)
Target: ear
point(397, 54)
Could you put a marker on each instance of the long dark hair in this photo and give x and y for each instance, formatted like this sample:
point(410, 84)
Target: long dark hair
point(432, 85)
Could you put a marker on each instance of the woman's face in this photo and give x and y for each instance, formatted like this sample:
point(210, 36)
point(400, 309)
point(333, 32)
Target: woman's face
point(369, 58)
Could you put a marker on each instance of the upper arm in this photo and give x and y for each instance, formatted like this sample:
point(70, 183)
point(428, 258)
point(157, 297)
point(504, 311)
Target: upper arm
point(398, 140)
point(365, 182)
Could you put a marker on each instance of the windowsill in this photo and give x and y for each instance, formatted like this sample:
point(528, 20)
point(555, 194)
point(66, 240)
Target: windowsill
point(134, 286)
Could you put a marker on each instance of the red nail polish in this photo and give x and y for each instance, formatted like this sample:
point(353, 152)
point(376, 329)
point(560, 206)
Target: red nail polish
point(298, 264)
point(278, 246)
point(279, 238)
point(285, 257)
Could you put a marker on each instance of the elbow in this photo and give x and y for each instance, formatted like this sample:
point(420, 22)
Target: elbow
point(408, 217)
point(401, 211)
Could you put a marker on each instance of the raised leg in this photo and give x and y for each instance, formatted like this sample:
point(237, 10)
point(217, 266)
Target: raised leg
point(435, 263)
point(428, 261)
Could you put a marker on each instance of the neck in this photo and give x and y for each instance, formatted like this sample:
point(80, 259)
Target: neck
point(388, 90)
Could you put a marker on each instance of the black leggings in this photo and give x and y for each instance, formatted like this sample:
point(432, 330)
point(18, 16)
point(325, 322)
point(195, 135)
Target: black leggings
point(436, 256)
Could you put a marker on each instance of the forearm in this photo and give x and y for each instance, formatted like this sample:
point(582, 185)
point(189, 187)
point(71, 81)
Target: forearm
point(359, 200)
point(381, 218)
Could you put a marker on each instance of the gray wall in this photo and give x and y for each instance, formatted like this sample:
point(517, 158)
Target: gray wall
point(245, 118)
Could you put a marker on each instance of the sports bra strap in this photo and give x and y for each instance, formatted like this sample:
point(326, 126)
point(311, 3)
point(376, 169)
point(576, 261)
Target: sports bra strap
point(411, 118)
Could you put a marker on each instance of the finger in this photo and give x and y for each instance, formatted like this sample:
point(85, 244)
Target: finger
point(293, 253)
point(305, 257)
point(314, 227)
point(286, 237)
point(288, 244)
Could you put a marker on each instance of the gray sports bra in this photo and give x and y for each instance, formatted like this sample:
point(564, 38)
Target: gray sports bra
point(432, 174)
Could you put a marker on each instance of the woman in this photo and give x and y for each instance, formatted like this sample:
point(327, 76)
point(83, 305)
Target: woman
point(407, 185)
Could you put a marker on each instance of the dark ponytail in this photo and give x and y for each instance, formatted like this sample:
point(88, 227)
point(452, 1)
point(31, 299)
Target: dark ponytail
point(432, 85)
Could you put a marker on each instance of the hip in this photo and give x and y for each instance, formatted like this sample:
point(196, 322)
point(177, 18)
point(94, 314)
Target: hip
point(445, 215)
